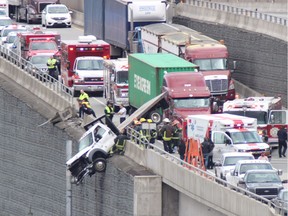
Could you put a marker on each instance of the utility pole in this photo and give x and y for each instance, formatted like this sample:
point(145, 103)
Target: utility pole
point(68, 180)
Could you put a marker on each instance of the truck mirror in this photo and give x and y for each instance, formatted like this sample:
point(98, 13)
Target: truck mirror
point(241, 182)
point(234, 65)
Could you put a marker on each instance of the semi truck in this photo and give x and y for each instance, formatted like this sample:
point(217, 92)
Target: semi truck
point(116, 81)
point(229, 133)
point(82, 63)
point(152, 74)
point(28, 10)
point(115, 20)
point(268, 112)
point(210, 55)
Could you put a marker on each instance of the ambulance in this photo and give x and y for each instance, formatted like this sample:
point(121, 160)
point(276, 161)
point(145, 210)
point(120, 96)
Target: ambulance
point(230, 133)
point(267, 110)
point(82, 63)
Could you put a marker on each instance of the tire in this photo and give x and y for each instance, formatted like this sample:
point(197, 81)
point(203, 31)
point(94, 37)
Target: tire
point(155, 116)
point(99, 164)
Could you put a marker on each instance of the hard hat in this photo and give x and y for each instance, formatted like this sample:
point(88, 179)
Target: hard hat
point(149, 120)
point(137, 122)
point(142, 120)
point(166, 120)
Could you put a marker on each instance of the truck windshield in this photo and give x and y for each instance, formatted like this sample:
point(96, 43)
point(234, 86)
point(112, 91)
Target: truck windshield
point(39, 59)
point(261, 116)
point(245, 137)
point(231, 161)
point(43, 46)
point(90, 64)
point(122, 77)
point(211, 64)
point(86, 141)
point(263, 178)
point(254, 166)
point(191, 102)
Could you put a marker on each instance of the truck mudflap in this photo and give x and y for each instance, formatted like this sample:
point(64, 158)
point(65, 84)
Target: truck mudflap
point(143, 110)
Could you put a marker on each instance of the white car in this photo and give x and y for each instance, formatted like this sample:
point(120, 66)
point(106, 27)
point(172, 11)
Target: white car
point(11, 28)
point(4, 21)
point(228, 162)
point(56, 15)
point(6, 48)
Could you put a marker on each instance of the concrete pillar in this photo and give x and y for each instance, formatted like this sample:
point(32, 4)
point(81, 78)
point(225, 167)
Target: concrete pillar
point(147, 195)
point(170, 200)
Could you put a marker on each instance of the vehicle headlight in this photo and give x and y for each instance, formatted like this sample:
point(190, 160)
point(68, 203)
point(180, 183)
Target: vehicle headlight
point(78, 80)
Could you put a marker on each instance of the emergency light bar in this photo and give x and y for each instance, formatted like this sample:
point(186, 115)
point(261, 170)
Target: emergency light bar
point(87, 39)
point(89, 48)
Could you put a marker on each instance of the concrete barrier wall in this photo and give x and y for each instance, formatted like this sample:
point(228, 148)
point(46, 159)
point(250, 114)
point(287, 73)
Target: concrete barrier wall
point(35, 86)
point(233, 20)
point(197, 187)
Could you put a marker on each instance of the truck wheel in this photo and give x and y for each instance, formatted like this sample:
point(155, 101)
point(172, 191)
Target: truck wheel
point(155, 116)
point(99, 165)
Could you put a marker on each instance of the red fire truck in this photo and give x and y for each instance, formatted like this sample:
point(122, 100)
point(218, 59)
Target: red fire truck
point(116, 81)
point(29, 43)
point(267, 110)
point(82, 63)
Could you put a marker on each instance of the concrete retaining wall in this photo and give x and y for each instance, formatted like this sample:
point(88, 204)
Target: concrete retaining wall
point(197, 187)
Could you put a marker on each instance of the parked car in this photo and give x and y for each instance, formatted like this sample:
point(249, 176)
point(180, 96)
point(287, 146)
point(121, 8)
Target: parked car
point(228, 161)
point(265, 183)
point(4, 21)
point(243, 166)
point(11, 28)
point(39, 62)
point(8, 43)
point(281, 202)
point(94, 149)
point(56, 15)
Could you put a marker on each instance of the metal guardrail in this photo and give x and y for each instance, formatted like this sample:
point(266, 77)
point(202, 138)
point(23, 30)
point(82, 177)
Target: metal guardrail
point(239, 11)
point(47, 80)
point(135, 137)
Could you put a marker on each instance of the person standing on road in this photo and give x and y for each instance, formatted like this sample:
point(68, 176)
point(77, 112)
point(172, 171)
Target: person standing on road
point(282, 141)
point(122, 113)
point(206, 150)
point(81, 98)
point(52, 66)
point(166, 133)
point(109, 113)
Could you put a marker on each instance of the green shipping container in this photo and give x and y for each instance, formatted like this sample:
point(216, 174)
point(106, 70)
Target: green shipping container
point(146, 73)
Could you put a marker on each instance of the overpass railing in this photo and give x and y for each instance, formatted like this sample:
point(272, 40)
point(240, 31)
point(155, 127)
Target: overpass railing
point(137, 139)
point(238, 11)
point(26, 67)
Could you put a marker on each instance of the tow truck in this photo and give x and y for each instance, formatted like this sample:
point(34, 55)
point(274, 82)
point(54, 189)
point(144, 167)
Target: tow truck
point(267, 110)
point(116, 81)
point(82, 63)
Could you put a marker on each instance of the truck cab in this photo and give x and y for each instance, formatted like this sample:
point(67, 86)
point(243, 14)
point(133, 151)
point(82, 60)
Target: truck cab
point(93, 150)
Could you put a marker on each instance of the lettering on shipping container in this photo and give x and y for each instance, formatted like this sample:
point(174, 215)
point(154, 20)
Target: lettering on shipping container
point(142, 84)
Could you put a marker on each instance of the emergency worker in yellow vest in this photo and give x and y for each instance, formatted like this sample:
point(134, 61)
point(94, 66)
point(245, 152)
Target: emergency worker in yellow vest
point(166, 133)
point(52, 66)
point(80, 99)
point(86, 107)
point(109, 113)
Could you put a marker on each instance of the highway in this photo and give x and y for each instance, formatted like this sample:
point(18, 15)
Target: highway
point(98, 102)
